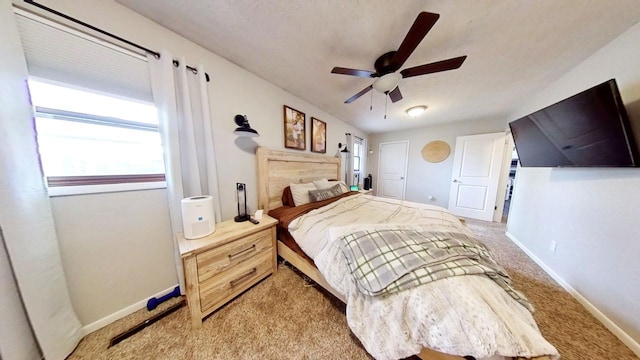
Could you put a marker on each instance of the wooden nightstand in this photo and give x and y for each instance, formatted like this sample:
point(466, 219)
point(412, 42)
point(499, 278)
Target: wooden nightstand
point(220, 266)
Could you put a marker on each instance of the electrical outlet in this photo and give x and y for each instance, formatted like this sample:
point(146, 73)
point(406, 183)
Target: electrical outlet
point(554, 246)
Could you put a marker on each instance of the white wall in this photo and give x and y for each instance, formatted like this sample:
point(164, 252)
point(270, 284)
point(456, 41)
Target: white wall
point(116, 247)
point(426, 179)
point(592, 214)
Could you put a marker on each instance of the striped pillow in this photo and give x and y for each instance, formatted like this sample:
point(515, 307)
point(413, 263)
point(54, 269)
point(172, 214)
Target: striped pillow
point(324, 194)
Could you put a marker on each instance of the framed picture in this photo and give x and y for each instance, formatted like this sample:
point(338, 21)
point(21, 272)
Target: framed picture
point(295, 136)
point(318, 136)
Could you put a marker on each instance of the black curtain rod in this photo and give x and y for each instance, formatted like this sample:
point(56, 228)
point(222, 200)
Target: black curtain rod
point(72, 19)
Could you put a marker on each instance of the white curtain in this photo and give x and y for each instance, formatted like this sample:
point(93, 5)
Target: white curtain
point(17, 340)
point(358, 177)
point(187, 138)
point(26, 221)
point(349, 160)
point(364, 161)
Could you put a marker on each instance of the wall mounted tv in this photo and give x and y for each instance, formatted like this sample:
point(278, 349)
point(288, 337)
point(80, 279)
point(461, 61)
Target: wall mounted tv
point(589, 129)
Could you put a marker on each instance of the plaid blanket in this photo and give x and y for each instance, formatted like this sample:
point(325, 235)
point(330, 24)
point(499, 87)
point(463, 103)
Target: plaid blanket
point(387, 261)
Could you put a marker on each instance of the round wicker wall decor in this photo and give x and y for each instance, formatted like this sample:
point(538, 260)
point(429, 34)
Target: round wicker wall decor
point(436, 151)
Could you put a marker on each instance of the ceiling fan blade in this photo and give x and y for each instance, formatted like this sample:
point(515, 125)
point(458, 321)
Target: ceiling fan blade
point(424, 22)
point(444, 65)
point(395, 95)
point(356, 96)
point(354, 72)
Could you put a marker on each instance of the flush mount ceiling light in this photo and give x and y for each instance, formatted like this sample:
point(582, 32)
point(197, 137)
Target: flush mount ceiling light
point(416, 110)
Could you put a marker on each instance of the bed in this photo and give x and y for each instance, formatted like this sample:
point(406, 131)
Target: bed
point(276, 170)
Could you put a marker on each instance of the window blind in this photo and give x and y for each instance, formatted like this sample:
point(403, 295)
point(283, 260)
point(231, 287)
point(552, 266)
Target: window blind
point(59, 53)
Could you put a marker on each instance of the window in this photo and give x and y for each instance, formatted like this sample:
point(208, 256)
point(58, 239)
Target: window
point(90, 138)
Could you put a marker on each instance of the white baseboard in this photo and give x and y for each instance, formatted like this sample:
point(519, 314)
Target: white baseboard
point(619, 333)
point(122, 313)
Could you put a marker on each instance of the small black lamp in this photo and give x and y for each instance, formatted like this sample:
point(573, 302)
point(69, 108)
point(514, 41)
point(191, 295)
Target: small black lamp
point(241, 197)
point(244, 128)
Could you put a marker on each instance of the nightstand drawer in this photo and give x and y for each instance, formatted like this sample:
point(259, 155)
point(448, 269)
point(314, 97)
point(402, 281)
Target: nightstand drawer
point(223, 287)
point(215, 261)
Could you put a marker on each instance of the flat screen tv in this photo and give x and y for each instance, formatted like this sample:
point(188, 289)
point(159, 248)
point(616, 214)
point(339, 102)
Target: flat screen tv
point(589, 129)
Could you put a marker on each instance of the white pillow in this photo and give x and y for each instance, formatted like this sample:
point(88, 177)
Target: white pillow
point(326, 184)
point(300, 193)
point(322, 184)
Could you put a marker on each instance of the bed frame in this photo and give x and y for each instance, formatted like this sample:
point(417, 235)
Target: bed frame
point(276, 170)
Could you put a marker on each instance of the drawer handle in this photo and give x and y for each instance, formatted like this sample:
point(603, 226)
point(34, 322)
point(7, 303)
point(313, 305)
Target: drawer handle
point(232, 256)
point(243, 276)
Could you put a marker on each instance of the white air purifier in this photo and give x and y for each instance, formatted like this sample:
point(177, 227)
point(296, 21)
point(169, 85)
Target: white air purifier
point(198, 216)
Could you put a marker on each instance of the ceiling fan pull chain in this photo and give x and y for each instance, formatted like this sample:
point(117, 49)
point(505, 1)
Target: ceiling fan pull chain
point(371, 106)
point(385, 105)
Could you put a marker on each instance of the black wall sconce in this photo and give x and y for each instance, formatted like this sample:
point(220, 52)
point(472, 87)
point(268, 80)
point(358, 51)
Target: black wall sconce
point(342, 148)
point(244, 129)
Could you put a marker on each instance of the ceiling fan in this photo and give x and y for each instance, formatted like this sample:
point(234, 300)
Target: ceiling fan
point(388, 64)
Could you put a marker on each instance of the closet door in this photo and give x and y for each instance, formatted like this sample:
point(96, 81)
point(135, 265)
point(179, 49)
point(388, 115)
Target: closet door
point(476, 173)
point(392, 169)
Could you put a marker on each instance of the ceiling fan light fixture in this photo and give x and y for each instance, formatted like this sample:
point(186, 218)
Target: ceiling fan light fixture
point(416, 110)
point(387, 82)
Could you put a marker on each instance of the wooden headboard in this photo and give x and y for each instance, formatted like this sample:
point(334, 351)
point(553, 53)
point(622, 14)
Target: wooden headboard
point(277, 169)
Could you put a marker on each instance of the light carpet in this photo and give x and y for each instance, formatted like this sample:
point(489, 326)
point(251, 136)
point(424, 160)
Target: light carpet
point(284, 318)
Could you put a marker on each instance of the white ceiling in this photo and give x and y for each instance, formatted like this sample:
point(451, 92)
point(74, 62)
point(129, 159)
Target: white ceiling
point(514, 47)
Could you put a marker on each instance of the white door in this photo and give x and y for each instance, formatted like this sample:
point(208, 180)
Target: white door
point(392, 169)
point(476, 171)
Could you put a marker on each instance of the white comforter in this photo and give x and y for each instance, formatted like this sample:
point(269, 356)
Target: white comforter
point(462, 315)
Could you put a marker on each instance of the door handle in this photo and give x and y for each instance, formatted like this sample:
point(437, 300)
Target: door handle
point(456, 181)
point(401, 177)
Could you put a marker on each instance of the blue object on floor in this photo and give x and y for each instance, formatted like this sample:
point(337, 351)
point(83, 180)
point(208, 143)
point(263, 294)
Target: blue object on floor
point(154, 302)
